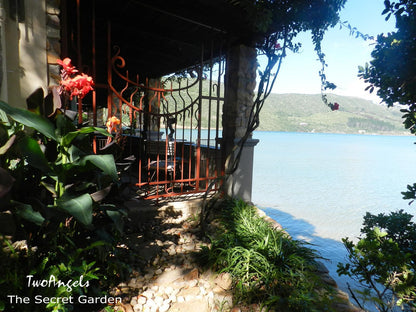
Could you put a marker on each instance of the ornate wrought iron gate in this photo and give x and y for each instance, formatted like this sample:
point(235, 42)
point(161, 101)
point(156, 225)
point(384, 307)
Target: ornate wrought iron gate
point(172, 126)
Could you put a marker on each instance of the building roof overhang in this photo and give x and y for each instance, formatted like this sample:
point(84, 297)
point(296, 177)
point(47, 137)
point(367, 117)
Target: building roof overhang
point(159, 37)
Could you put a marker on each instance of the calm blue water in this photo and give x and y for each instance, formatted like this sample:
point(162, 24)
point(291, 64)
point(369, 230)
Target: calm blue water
point(319, 186)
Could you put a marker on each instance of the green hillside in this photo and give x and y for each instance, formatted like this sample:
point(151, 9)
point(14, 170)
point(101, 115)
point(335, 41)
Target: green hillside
point(307, 113)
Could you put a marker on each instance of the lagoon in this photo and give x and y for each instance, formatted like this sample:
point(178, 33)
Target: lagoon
point(319, 186)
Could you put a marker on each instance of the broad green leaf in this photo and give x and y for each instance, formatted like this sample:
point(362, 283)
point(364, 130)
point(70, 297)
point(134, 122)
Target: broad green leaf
point(104, 162)
point(26, 212)
point(30, 119)
point(79, 207)
point(117, 218)
point(31, 151)
point(68, 138)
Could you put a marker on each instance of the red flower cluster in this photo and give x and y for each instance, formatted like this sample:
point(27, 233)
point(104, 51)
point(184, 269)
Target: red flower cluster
point(67, 68)
point(79, 85)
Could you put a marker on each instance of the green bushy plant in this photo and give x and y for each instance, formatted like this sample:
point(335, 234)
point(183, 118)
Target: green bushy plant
point(383, 261)
point(56, 190)
point(267, 266)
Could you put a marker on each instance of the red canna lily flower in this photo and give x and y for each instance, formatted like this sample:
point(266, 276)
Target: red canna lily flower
point(66, 66)
point(78, 86)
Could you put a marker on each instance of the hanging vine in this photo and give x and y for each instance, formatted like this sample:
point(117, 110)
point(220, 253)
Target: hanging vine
point(279, 21)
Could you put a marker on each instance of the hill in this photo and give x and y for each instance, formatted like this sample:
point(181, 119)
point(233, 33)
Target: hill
point(307, 113)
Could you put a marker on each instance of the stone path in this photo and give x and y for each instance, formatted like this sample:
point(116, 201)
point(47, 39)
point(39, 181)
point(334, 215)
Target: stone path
point(167, 278)
point(170, 279)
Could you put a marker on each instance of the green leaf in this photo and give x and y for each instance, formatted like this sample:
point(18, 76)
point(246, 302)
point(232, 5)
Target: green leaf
point(79, 207)
point(26, 212)
point(30, 119)
point(379, 233)
point(117, 218)
point(68, 138)
point(104, 162)
point(31, 151)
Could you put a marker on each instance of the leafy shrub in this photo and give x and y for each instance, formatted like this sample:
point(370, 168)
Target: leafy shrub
point(265, 263)
point(383, 261)
point(55, 188)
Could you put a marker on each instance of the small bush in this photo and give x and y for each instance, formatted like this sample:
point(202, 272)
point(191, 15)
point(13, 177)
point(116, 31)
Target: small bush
point(383, 261)
point(267, 266)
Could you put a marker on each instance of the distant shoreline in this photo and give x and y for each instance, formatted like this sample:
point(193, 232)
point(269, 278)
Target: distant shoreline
point(404, 133)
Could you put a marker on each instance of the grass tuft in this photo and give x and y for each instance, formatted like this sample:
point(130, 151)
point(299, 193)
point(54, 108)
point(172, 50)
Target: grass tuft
point(267, 265)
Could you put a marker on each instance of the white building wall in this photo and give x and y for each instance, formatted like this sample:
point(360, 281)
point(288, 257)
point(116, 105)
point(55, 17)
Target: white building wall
point(24, 52)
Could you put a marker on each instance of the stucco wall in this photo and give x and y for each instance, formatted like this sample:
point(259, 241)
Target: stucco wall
point(24, 51)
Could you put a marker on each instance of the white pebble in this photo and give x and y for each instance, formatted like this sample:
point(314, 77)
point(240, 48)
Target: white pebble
point(180, 299)
point(137, 307)
point(150, 303)
point(168, 290)
point(189, 298)
point(141, 300)
point(159, 301)
point(133, 301)
point(148, 294)
point(164, 307)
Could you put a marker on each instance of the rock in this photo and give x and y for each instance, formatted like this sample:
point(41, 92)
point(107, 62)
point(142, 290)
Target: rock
point(148, 294)
point(326, 278)
point(159, 301)
point(138, 308)
point(342, 295)
point(194, 291)
point(133, 301)
point(193, 275)
point(321, 268)
point(192, 306)
point(169, 290)
point(193, 283)
point(165, 307)
point(168, 277)
point(141, 300)
point(224, 281)
point(127, 307)
point(151, 304)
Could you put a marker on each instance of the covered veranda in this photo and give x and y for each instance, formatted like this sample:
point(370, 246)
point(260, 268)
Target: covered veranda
point(180, 78)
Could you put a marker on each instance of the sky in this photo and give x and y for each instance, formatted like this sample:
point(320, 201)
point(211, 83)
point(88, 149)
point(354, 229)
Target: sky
point(344, 53)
